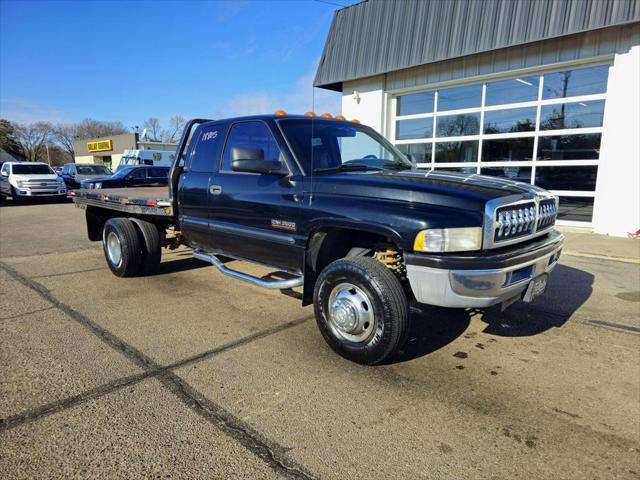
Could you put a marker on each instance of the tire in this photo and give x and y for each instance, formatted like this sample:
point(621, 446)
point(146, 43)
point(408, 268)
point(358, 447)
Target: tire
point(382, 319)
point(150, 243)
point(125, 256)
point(14, 196)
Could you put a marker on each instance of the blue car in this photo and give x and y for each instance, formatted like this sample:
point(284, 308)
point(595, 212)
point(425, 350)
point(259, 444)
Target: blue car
point(138, 176)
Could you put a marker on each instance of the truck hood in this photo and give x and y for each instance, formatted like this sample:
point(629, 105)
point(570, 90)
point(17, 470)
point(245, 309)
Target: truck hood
point(45, 176)
point(456, 190)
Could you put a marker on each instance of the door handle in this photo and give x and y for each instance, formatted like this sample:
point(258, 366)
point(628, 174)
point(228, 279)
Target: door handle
point(215, 189)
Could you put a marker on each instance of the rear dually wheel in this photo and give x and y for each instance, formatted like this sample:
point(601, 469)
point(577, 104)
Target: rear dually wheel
point(121, 246)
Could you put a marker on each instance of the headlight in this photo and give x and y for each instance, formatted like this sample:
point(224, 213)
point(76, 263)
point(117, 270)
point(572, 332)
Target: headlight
point(19, 183)
point(97, 185)
point(448, 240)
point(60, 180)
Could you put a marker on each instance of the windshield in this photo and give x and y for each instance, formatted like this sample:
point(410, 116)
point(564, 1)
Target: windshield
point(122, 172)
point(335, 144)
point(128, 160)
point(33, 169)
point(93, 170)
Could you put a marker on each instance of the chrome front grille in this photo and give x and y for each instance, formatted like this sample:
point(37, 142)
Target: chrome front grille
point(548, 211)
point(515, 221)
point(517, 218)
point(40, 184)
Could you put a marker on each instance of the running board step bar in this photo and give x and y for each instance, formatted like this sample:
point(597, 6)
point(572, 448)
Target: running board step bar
point(272, 284)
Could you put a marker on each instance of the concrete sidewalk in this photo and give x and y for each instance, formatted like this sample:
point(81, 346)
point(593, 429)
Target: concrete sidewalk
point(582, 243)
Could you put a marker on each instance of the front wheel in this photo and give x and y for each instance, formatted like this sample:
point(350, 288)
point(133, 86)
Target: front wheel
point(361, 309)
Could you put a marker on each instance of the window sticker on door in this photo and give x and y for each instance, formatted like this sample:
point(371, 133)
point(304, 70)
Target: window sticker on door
point(283, 225)
point(210, 136)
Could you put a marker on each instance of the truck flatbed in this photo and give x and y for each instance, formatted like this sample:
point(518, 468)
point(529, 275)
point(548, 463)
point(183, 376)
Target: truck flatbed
point(142, 200)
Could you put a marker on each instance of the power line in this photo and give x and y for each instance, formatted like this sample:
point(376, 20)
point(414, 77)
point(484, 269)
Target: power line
point(331, 3)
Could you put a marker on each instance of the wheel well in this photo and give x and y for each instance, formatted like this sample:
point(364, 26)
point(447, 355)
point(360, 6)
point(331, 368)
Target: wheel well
point(96, 218)
point(329, 244)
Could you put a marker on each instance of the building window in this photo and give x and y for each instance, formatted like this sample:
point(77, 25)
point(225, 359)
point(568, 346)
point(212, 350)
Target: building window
point(544, 129)
point(448, 152)
point(422, 102)
point(458, 125)
point(572, 115)
point(512, 90)
point(469, 96)
point(417, 128)
point(509, 121)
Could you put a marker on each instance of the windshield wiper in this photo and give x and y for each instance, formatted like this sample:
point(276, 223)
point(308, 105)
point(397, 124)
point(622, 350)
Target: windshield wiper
point(353, 167)
point(397, 166)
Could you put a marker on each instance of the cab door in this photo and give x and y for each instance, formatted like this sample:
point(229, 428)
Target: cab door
point(255, 215)
point(137, 178)
point(202, 160)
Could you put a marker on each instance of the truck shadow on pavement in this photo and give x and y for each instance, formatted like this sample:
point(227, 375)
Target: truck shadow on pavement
point(432, 328)
point(179, 264)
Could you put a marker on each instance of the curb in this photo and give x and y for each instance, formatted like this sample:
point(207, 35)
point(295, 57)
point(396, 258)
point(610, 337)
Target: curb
point(635, 261)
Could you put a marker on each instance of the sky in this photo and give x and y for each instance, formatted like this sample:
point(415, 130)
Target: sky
point(63, 61)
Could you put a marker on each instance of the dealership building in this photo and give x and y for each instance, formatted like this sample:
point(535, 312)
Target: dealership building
point(546, 92)
point(109, 150)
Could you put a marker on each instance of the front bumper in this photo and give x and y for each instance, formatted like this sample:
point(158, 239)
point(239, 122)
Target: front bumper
point(482, 280)
point(40, 192)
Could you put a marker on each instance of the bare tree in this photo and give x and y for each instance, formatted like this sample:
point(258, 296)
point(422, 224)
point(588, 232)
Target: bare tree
point(154, 130)
point(172, 134)
point(91, 128)
point(8, 141)
point(65, 136)
point(32, 138)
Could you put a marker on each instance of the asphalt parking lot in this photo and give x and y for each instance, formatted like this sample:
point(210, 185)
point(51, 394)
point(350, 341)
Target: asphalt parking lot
point(189, 374)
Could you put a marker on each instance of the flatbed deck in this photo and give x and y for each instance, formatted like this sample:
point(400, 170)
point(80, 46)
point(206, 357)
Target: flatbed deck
point(142, 201)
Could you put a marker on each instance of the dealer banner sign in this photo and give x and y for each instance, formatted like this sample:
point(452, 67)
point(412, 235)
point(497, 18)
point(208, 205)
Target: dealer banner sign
point(100, 146)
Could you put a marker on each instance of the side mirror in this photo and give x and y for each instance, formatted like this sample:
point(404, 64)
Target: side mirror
point(4, 174)
point(249, 159)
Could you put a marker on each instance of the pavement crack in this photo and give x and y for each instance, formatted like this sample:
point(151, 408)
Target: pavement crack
point(268, 451)
point(11, 317)
point(617, 327)
point(69, 402)
point(67, 273)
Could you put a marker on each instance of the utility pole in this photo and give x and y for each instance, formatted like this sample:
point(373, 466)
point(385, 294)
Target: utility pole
point(48, 158)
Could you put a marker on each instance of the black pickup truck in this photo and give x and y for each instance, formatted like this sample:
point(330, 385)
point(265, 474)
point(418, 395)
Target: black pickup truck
point(340, 212)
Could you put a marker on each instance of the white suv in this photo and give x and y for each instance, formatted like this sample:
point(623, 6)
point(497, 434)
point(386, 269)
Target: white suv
point(30, 179)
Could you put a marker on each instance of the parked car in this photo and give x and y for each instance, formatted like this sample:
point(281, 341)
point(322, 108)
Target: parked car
point(141, 176)
point(74, 174)
point(157, 158)
point(30, 179)
point(346, 215)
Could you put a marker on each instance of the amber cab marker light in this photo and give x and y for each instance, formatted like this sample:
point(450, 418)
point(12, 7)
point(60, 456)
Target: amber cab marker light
point(340, 117)
point(355, 120)
point(310, 114)
point(326, 115)
point(280, 113)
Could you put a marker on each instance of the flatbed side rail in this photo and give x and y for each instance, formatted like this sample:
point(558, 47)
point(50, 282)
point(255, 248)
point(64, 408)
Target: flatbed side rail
point(121, 203)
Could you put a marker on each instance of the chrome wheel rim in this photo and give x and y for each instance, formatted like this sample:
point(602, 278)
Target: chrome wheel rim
point(114, 250)
point(350, 313)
